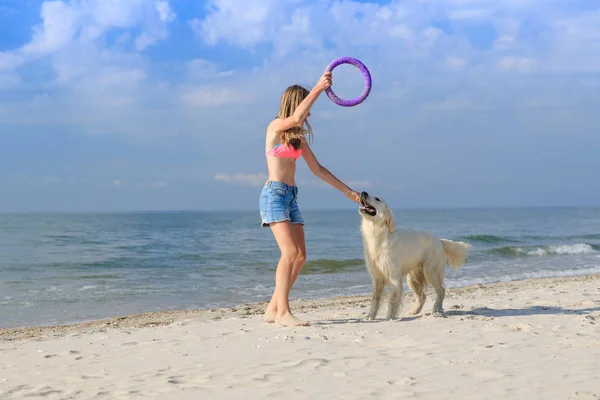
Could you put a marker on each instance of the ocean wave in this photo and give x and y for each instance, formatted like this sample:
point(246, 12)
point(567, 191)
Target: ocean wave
point(587, 236)
point(326, 266)
point(488, 238)
point(565, 249)
point(491, 239)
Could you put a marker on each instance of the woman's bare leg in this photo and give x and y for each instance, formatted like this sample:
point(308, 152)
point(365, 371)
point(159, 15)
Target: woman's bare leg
point(284, 236)
point(298, 234)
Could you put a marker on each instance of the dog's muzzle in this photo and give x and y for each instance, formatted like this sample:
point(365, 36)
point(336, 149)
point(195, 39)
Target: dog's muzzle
point(365, 207)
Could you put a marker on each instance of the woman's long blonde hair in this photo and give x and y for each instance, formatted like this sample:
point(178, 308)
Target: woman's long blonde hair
point(290, 99)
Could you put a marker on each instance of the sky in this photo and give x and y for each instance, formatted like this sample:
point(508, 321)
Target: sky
point(112, 105)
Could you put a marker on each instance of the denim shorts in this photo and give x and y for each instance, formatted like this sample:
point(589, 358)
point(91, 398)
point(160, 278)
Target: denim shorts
point(278, 203)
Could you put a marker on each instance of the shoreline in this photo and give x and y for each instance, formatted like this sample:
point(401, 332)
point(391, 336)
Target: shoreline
point(299, 306)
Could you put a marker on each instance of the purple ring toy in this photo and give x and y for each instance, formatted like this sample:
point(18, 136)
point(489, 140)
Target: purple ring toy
point(366, 75)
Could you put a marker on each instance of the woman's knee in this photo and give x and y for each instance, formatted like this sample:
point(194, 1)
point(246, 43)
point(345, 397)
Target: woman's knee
point(290, 253)
point(300, 257)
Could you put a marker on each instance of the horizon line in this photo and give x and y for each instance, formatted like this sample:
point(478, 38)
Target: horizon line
point(400, 208)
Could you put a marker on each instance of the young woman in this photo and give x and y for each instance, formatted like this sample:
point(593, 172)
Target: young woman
point(286, 141)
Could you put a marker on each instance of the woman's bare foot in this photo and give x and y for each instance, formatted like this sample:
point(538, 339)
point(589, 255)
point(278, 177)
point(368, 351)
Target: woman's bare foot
point(270, 316)
point(289, 320)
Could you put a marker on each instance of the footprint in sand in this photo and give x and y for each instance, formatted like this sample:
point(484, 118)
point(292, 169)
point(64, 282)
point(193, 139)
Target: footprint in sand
point(86, 377)
point(162, 371)
point(44, 391)
point(587, 319)
point(310, 364)
point(263, 378)
point(522, 327)
point(176, 380)
point(409, 381)
point(18, 389)
point(584, 395)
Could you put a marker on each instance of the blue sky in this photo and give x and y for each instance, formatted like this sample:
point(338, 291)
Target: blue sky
point(162, 104)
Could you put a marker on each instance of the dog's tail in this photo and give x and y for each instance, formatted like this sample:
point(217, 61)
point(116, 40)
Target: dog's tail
point(456, 252)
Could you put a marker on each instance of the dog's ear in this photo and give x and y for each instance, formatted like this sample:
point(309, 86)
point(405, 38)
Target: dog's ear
point(389, 221)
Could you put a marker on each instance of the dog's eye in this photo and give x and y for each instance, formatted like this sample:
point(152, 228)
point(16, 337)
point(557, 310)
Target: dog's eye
point(377, 198)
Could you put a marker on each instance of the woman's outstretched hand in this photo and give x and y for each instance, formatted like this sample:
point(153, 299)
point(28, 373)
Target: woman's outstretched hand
point(324, 82)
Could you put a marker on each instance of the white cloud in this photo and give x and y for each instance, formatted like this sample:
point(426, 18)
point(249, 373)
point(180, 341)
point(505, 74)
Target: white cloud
point(291, 25)
point(237, 22)
point(59, 26)
point(117, 183)
point(258, 179)
point(9, 61)
point(96, 86)
point(84, 22)
point(9, 81)
point(504, 42)
point(576, 42)
point(200, 69)
point(470, 14)
point(98, 89)
point(517, 64)
point(164, 11)
point(212, 97)
point(455, 62)
point(508, 33)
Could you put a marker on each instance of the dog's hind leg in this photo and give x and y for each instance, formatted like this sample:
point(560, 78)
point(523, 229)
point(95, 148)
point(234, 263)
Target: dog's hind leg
point(378, 286)
point(417, 282)
point(434, 272)
point(396, 298)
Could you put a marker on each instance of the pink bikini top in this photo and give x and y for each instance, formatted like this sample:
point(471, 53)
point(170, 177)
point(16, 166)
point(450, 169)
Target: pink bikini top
point(286, 151)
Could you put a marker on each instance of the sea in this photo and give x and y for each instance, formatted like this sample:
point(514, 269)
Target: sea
point(63, 268)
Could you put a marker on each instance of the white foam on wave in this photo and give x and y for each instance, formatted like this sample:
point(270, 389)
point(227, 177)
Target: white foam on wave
point(581, 248)
point(86, 287)
point(565, 249)
point(535, 252)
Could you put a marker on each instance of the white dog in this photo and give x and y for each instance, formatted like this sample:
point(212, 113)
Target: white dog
point(390, 255)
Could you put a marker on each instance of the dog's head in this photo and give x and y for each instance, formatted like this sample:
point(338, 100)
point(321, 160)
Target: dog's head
point(376, 211)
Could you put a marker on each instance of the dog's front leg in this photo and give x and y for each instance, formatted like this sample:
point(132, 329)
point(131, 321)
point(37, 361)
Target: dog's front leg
point(396, 298)
point(378, 285)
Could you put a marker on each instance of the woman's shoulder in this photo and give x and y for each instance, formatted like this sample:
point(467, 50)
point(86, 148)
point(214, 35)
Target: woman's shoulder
point(273, 125)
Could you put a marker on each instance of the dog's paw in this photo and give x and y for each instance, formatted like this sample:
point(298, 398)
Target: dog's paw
point(368, 317)
point(439, 314)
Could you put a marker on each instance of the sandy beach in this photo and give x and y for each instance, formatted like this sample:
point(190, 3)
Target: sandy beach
point(534, 339)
